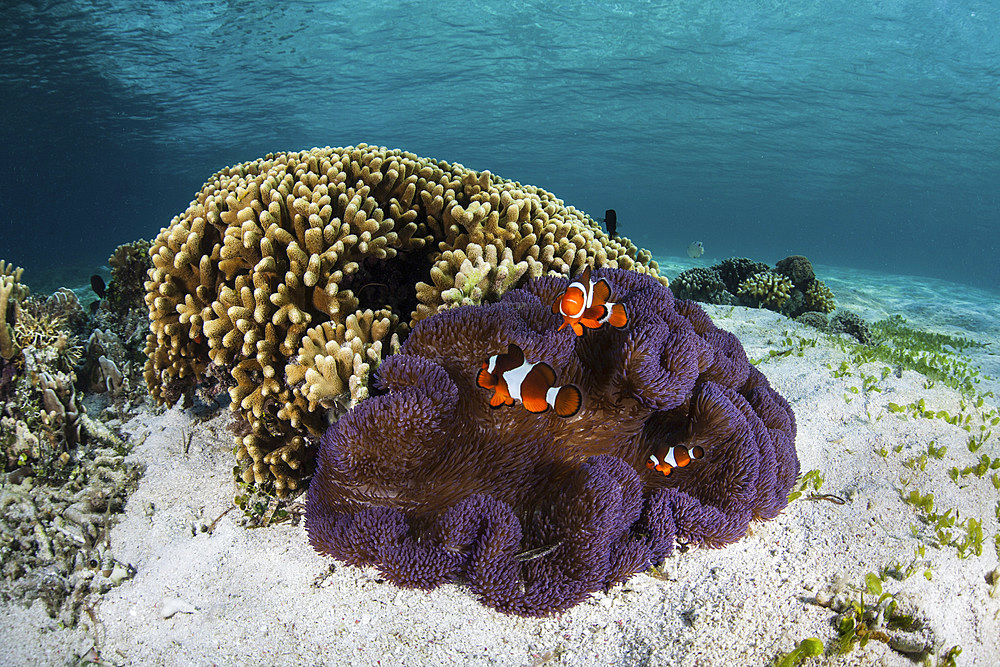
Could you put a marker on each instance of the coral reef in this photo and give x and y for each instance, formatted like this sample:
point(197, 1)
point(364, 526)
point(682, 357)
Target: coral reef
point(11, 291)
point(430, 484)
point(45, 324)
point(54, 530)
point(853, 325)
point(790, 288)
point(702, 284)
point(114, 353)
point(273, 250)
point(63, 475)
point(819, 298)
point(765, 290)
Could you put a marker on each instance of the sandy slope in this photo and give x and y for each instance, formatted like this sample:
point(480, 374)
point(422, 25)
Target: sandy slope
point(264, 597)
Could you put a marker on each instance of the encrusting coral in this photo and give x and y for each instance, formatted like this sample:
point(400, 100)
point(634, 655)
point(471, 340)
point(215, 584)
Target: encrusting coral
point(430, 484)
point(798, 269)
point(244, 281)
point(701, 284)
point(734, 270)
point(129, 264)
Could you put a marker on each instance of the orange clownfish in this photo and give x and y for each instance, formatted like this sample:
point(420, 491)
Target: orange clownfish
point(514, 379)
point(585, 304)
point(677, 456)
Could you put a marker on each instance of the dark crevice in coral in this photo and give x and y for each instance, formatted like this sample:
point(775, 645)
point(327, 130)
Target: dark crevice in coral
point(382, 283)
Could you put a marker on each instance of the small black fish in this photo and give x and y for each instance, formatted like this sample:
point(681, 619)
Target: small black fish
point(611, 222)
point(97, 284)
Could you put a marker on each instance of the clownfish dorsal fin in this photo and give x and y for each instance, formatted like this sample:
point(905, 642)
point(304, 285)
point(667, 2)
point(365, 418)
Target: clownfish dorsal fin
point(515, 355)
point(602, 293)
point(544, 374)
point(508, 361)
point(585, 277)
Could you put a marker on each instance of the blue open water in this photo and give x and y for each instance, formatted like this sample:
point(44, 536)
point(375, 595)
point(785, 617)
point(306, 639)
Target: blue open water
point(861, 134)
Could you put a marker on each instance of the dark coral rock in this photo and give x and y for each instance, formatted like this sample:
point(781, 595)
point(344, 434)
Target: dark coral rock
point(129, 264)
point(535, 512)
point(794, 305)
point(852, 324)
point(798, 269)
point(814, 319)
point(735, 270)
point(7, 373)
point(702, 284)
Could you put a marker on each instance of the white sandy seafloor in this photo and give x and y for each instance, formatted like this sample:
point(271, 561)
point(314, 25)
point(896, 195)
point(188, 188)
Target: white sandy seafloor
point(263, 596)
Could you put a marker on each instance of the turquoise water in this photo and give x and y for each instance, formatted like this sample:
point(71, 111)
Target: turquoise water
point(863, 135)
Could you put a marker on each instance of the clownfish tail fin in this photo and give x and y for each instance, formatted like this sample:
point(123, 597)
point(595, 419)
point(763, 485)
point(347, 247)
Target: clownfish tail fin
point(618, 317)
point(568, 401)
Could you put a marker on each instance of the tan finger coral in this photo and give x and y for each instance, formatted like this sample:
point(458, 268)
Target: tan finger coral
point(819, 297)
point(263, 273)
point(11, 291)
point(766, 289)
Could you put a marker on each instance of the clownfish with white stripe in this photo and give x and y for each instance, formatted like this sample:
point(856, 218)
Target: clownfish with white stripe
point(677, 456)
point(512, 378)
point(585, 304)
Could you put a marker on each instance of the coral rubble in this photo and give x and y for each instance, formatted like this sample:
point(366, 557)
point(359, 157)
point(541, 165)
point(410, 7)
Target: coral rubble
point(63, 477)
point(430, 484)
point(259, 278)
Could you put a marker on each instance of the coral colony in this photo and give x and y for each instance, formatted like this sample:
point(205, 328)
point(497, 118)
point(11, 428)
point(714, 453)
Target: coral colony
point(289, 278)
point(539, 448)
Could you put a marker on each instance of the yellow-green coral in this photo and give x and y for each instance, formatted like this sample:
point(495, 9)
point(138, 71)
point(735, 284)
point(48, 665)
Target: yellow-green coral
point(819, 297)
point(274, 256)
point(335, 361)
point(767, 289)
point(43, 324)
point(476, 278)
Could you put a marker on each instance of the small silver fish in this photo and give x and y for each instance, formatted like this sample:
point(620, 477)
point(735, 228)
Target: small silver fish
point(696, 250)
